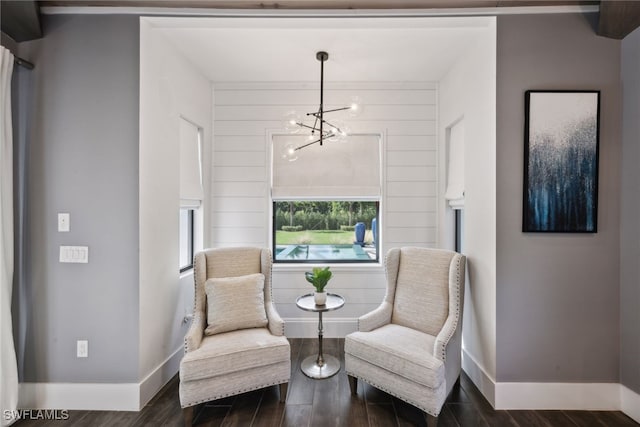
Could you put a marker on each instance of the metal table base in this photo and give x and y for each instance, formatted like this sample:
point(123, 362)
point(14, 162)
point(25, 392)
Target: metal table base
point(322, 365)
point(315, 370)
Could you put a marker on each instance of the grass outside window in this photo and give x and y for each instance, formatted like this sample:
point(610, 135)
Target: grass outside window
point(325, 231)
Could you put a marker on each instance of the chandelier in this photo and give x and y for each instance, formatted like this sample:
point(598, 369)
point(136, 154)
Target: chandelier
point(321, 130)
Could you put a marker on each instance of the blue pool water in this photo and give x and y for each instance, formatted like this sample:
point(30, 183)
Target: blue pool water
point(321, 252)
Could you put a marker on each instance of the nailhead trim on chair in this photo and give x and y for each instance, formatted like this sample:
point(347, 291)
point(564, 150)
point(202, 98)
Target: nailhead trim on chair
point(265, 261)
point(196, 314)
point(457, 316)
point(439, 343)
point(222, 396)
point(379, 387)
point(265, 258)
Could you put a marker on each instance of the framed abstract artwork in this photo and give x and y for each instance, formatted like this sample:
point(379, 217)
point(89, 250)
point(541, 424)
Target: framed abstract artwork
point(561, 142)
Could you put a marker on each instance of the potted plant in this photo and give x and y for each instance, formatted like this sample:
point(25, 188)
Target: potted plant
point(319, 278)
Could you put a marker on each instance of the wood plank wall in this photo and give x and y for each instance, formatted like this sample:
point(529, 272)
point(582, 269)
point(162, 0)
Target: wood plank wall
point(245, 114)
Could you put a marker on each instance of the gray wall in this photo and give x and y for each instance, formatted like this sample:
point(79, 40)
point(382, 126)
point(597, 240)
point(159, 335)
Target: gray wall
point(630, 229)
point(84, 160)
point(558, 295)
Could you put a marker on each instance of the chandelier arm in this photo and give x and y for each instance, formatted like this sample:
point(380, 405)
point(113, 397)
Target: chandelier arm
point(313, 142)
point(316, 121)
point(333, 126)
point(337, 109)
point(316, 114)
point(313, 128)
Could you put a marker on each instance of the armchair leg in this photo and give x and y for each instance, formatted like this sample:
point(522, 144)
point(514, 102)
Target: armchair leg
point(283, 392)
point(431, 420)
point(188, 416)
point(353, 384)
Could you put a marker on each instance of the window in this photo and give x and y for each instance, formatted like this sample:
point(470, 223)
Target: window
point(325, 231)
point(326, 200)
point(186, 239)
point(191, 190)
point(459, 230)
point(454, 193)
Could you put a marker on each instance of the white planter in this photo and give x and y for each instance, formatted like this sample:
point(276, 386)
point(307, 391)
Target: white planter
point(320, 298)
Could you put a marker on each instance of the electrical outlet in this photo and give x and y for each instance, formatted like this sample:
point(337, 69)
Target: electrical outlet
point(188, 315)
point(82, 347)
point(63, 222)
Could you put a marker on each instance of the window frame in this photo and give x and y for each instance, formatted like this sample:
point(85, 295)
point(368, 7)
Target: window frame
point(190, 239)
point(375, 260)
point(191, 188)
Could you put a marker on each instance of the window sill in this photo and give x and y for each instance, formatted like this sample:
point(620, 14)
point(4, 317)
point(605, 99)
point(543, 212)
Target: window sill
point(187, 273)
point(370, 267)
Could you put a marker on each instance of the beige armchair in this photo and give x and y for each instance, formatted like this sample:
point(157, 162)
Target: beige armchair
point(236, 342)
point(410, 346)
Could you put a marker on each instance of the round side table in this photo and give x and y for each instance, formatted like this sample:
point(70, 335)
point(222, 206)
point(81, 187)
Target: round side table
point(323, 365)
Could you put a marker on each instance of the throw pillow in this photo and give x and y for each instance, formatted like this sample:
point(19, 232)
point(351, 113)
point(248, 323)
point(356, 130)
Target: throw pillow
point(235, 303)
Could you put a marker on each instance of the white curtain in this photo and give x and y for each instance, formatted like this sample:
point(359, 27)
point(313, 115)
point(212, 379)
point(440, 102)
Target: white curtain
point(8, 365)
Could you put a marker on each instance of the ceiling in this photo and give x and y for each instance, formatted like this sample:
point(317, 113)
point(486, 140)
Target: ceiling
point(284, 49)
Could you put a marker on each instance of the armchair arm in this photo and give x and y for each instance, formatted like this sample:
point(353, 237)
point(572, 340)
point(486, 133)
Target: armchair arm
point(276, 324)
point(444, 336)
point(194, 335)
point(451, 330)
point(376, 318)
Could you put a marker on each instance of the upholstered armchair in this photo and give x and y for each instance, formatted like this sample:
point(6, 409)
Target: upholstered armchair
point(410, 346)
point(236, 341)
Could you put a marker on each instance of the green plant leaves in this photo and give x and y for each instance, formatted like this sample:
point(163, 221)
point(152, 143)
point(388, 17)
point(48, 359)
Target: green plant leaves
point(319, 277)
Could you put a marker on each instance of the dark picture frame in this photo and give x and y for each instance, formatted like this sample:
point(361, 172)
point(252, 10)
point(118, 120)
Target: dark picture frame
point(561, 156)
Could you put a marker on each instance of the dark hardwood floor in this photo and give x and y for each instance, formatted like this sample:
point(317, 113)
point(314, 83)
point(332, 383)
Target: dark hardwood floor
point(328, 403)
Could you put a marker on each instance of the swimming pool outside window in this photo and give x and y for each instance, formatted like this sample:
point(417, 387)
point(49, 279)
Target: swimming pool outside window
point(325, 231)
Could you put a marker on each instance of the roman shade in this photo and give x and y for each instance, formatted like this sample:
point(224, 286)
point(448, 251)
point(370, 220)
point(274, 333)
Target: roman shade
point(455, 165)
point(191, 192)
point(347, 170)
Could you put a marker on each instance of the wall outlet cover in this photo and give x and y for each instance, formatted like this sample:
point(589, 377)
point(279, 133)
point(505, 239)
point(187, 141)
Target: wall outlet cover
point(82, 348)
point(63, 222)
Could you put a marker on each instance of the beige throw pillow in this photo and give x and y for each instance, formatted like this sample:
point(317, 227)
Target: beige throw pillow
point(235, 303)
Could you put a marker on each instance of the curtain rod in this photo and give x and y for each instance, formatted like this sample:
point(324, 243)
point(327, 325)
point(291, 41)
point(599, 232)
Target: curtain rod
point(23, 63)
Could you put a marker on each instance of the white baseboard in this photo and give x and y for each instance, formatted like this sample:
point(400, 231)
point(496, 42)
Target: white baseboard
point(480, 377)
point(308, 328)
point(157, 379)
point(80, 396)
point(99, 396)
point(569, 396)
point(541, 396)
point(630, 403)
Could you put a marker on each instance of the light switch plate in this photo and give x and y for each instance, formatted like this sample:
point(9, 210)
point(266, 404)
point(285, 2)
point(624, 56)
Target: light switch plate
point(63, 222)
